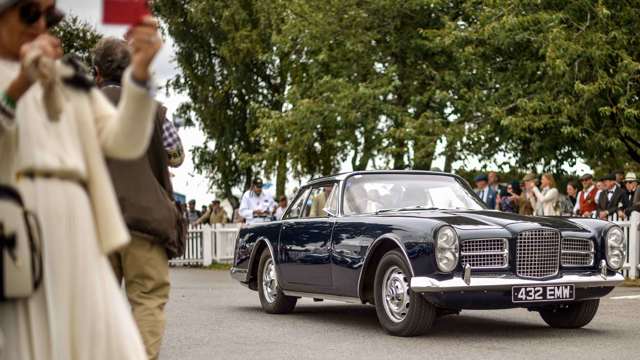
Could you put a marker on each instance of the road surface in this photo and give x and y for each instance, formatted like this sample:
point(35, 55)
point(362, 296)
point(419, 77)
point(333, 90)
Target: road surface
point(210, 316)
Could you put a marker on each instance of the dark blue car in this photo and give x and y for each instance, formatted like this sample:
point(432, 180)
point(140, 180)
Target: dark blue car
point(419, 245)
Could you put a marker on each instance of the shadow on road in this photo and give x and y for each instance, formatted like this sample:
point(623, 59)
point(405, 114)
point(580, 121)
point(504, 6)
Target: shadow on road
point(467, 324)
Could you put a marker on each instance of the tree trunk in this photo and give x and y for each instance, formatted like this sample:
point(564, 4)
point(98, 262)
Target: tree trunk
point(281, 173)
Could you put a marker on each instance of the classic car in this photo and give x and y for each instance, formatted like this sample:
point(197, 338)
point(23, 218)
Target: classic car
point(418, 245)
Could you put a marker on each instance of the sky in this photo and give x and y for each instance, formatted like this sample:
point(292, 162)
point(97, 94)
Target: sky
point(185, 180)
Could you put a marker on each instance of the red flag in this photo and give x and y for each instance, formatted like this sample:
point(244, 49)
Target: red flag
point(124, 12)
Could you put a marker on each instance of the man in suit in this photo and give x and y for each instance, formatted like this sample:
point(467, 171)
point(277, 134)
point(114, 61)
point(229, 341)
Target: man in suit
point(485, 192)
point(632, 195)
point(611, 200)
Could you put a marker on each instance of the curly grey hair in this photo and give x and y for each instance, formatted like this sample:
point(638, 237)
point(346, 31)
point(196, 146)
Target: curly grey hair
point(111, 56)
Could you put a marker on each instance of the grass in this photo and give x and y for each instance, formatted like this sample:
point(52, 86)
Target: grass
point(219, 266)
point(631, 283)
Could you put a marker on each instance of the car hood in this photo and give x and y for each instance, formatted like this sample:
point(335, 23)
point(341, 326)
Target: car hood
point(488, 218)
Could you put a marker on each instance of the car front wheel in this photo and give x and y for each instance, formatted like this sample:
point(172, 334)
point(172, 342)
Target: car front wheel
point(273, 300)
point(400, 311)
point(571, 316)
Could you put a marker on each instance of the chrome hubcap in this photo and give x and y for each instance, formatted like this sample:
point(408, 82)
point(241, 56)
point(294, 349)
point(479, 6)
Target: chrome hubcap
point(395, 294)
point(269, 281)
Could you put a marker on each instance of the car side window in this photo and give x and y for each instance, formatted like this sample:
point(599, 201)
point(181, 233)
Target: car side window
point(296, 208)
point(320, 200)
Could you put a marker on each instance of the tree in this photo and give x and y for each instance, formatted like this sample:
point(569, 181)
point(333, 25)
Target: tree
point(78, 37)
point(230, 71)
point(553, 81)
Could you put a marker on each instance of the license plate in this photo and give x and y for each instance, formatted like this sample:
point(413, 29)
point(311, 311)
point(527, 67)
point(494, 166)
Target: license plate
point(543, 293)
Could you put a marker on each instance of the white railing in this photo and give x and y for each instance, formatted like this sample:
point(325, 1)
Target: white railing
point(632, 236)
point(207, 244)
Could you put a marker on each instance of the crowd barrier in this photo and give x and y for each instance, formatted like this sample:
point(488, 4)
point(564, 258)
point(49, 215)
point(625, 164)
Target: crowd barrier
point(208, 244)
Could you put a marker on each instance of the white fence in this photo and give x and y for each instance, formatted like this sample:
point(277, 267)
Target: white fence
point(208, 244)
point(632, 236)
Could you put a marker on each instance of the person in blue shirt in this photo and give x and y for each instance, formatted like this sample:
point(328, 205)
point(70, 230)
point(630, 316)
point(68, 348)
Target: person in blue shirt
point(484, 191)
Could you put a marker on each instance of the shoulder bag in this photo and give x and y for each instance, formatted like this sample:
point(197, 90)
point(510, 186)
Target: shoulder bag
point(20, 247)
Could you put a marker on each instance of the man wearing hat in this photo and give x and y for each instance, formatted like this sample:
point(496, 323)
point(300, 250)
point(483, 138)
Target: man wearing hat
point(256, 206)
point(632, 195)
point(586, 201)
point(485, 192)
point(611, 200)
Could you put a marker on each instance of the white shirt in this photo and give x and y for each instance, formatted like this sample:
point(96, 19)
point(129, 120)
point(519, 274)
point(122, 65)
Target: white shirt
point(251, 202)
point(484, 194)
point(280, 212)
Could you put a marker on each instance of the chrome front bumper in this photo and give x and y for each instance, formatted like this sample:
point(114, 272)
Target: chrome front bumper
point(428, 285)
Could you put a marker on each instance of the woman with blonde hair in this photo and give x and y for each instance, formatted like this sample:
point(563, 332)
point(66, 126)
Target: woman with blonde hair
point(545, 202)
point(55, 130)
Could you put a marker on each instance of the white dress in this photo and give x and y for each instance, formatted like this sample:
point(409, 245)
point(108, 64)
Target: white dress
point(79, 311)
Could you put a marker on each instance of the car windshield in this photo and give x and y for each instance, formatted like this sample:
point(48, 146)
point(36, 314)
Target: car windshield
point(371, 193)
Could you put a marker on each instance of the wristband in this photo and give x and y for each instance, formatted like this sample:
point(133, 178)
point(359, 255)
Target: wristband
point(7, 105)
point(7, 100)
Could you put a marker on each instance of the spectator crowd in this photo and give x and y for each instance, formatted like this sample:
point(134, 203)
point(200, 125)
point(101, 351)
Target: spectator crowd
point(613, 196)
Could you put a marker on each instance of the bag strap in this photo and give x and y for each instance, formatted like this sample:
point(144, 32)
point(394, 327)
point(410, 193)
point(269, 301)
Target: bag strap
point(7, 192)
point(35, 243)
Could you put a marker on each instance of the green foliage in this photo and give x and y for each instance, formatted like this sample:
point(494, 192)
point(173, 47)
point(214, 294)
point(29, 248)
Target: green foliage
point(558, 81)
point(77, 36)
point(229, 71)
point(296, 87)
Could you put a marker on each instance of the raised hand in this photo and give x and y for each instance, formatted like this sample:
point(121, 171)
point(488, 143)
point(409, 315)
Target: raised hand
point(145, 44)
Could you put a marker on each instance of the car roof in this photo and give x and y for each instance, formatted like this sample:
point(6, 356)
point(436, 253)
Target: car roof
point(344, 175)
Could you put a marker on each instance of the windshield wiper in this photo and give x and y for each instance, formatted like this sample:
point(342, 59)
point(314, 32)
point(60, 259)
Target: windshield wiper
point(408, 208)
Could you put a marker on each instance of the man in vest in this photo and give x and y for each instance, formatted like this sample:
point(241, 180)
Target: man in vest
point(586, 201)
point(144, 191)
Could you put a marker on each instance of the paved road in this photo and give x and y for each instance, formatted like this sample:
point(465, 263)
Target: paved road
point(210, 316)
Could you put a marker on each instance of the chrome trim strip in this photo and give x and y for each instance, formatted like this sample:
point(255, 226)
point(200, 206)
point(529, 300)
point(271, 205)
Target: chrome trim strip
point(506, 252)
point(347, 299)
point(239, 274)
point(425, 284)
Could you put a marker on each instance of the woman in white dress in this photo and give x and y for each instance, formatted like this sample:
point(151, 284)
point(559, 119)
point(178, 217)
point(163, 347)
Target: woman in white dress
point(54, 132)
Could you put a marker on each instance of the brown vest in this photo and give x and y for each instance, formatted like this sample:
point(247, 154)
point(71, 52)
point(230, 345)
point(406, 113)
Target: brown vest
point(143, 186)
point(588, 201)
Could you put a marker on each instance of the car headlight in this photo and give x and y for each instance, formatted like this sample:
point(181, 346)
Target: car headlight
point(615, 248)
point(447, 249)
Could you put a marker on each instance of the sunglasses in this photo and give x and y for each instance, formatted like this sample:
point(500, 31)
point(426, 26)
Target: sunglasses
point(30, 13)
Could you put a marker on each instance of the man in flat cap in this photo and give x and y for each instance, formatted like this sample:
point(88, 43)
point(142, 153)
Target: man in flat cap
point(484, 191)
point(610, 200)
point(586, 201)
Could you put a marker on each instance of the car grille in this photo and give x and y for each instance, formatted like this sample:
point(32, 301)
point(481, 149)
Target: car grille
point(577, 252)
point(485, 253)
point(538, 253)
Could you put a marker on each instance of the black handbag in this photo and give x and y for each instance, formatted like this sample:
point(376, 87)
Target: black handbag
point(20, 247)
